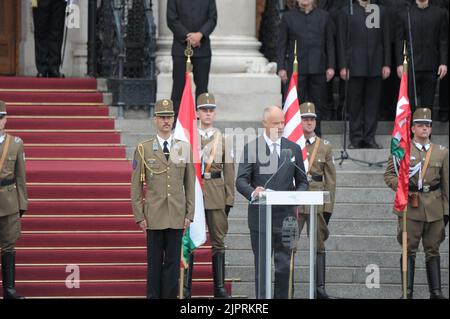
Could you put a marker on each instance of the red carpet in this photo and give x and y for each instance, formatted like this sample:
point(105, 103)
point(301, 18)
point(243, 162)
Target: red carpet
point(79, 188)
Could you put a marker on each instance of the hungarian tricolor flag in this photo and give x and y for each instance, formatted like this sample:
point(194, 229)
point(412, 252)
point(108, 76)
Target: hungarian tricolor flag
point(401, 145)
point(293, 129)
point(186, 130)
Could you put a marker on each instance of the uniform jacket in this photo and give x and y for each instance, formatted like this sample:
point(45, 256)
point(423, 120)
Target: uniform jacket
point(429, 28)
point(432, 205)
point(314, 33)
point(184, 17)
point(170, 195)
point(323, 166)
point(218, 192)
point(369, 48)
point(251, 175)
point(13, 198)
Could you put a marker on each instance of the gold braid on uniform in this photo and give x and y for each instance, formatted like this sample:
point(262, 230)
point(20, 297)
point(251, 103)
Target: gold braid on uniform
point(145, 165)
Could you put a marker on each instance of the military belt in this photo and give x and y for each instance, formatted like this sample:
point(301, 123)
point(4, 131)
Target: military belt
point(212, 175)
point(7, 182)
point(425, 188)
point(315, 178)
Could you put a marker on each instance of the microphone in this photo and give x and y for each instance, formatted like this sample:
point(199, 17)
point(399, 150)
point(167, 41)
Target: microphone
point(286, 155)
point(289, 154)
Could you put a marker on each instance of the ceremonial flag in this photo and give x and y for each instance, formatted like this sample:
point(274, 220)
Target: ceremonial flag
point(186, 130)
point(400, 144)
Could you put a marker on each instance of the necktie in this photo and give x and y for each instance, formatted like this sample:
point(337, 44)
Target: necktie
point(166, 150)
point(424, 148)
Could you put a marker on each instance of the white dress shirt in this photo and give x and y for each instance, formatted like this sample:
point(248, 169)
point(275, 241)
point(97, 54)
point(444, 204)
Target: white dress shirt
point(161, 142)
point(272, 144)
point(420, 146)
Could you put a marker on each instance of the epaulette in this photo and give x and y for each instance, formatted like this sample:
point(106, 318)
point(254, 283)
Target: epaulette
point(326, 142)
point(17, 140)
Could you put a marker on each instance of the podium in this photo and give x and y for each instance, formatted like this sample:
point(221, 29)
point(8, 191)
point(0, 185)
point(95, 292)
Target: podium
point(268, 202)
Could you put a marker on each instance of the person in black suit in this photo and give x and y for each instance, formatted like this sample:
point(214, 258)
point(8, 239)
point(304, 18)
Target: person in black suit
point(429, 29)
point(193, 21)
point(268, 163)
point(313, 29)
point(49, 17)
point(444, 104)
point(366, 52)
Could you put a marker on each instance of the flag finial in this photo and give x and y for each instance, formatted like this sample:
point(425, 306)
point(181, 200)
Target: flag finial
point(295, 58)
point(188, 53)
point(405, 57)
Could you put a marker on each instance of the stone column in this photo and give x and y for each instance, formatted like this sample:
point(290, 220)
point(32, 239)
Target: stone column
point(75, 61)
point(241, 78)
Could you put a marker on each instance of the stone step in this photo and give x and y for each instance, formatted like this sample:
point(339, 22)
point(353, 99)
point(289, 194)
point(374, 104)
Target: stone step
point(338, 227)
point(383, 140)
point(341, 211)
point(336, 242)
point(238, 257)
point(344, 291)
point(340, 275)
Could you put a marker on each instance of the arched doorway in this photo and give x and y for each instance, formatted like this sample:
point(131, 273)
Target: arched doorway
point(9, 36)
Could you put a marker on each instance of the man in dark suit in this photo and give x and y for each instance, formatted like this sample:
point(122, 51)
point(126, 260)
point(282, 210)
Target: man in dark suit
point(193, 21)
point(48, 17)
point(268, 163)
point(366, 51)
point(313, 30)
point(429, 29)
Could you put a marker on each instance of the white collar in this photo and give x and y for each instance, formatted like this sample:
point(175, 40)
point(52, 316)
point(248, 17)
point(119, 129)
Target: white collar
point(363, 3)
point(2, 138)
point(161, 141)
point(423, 6)
point(312, 140)
point(420, 146)
point(207, 134)
point(270, 142)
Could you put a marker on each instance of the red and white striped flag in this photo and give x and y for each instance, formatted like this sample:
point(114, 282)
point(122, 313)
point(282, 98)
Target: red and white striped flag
point(293, 129)
point(186, 130)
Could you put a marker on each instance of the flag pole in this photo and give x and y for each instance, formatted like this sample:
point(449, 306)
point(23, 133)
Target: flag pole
point(188, 53)
point(405, 211)
point(291, 264)
point(181, 284)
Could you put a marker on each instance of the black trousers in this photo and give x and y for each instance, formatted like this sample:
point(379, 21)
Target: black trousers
point(443, 97)
point(49, 19)
point(364, 101)
point(200, 70)
point(282, 257)
point(313, 88)
point(163, 263)
point(426, 83)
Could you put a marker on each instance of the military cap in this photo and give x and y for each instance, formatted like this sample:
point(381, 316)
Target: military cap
point(2, 108)
point(164, 108)
point(206, 101)
point(422, 115)
point(308, 109)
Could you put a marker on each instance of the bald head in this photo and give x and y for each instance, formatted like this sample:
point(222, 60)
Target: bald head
point(273, 122)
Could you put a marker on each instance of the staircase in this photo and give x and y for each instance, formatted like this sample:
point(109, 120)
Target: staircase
point(79, 220)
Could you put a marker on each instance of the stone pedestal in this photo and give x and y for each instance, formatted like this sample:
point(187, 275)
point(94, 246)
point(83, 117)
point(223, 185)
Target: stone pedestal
point(241, 78)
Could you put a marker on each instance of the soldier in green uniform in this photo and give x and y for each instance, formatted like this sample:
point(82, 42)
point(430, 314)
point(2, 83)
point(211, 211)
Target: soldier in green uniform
point(217, 165)
point(321, 177)
point(13, 202)
point(428, 201)
point(166, 167)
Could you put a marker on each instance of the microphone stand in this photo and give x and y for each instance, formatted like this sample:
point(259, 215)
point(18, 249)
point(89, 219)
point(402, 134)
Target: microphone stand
point(344, 154)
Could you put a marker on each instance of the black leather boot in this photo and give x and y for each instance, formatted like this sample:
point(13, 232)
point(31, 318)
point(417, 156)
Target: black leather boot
point(434, 278)
point(187, 287)
point(9, 276)
point(321, 293)
point(218, 260)
point(410, 271)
